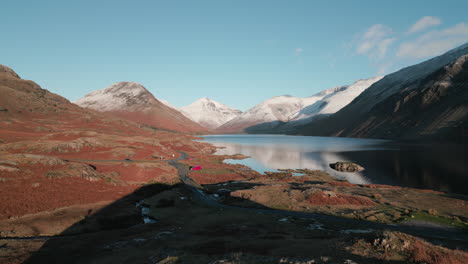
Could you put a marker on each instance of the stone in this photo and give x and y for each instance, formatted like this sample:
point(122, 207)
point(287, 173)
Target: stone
point(345, 166)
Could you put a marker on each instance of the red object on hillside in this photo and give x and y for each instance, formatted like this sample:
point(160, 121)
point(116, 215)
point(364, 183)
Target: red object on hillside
point(195, 168)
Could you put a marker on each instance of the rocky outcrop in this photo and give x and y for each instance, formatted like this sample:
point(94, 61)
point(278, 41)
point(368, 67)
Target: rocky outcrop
point(344, 166)
point(81, 170)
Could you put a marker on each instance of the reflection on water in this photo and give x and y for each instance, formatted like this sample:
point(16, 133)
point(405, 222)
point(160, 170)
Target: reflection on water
point(271, 152)
point(385, 162)
point(266, 158)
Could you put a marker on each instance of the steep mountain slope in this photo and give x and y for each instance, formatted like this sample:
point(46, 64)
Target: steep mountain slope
point(285, 113)
point(132, 101)
point(209, 113)
point(272, 111)
point(371, 113)
point(435, 108)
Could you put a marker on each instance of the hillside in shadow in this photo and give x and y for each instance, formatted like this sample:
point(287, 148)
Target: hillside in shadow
point(184, 229)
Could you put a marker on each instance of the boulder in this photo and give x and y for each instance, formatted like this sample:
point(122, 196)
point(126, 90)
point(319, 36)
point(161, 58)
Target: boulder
point(345, 166)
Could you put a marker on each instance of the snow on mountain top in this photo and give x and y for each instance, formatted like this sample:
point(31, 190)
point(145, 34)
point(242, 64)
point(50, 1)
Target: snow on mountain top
point(209, 113)
point(203, 99)
point(131, 88)
point(330, 90)
point(405, 78)
point(118, 96)
point(288, 108)
point(332, 100)
point(272, 109)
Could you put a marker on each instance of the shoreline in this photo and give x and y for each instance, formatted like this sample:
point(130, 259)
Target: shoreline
point(311, 208)
point(391, 165)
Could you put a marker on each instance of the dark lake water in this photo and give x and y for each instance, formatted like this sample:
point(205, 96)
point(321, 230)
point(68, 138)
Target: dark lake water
point(425, 166)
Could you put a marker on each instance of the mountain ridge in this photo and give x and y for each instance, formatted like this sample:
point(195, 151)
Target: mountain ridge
point(209, 113)
point(372, 112)
point(281, 113)
point(132, 101)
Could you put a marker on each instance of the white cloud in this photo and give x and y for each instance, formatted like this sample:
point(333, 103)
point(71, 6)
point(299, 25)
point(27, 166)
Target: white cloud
point(423, 23)
point(383, 45)
point(375, 41)
point(434, 42)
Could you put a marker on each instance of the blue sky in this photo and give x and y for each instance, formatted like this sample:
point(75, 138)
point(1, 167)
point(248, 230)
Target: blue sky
point(236, 52)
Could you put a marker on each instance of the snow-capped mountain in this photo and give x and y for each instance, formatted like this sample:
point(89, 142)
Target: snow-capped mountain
point(423, 100)
point(289, 110)
point(408, 77)
point(118, 97)
point(276, 109)
point(134, 102)
point(209, 113)
point(332, 100)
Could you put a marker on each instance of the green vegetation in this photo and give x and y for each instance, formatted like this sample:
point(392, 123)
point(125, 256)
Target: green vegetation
point(423, 216)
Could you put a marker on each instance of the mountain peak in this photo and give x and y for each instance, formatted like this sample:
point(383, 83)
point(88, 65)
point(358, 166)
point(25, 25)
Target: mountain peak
point(132, 101)
point(283, 96)
point(126, 87)
point(209, 113)
point(204, 100)
point(7, 71)
point(118, 96)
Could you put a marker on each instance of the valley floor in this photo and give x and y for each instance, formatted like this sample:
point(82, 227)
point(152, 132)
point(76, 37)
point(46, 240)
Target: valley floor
point(71, 198)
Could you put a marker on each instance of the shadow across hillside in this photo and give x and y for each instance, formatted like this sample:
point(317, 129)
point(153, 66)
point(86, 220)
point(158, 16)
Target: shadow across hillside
point(188, 229)
point(120, 215)
point(194, 234)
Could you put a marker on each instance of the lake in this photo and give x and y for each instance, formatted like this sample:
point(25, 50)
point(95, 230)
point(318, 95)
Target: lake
point(425, 166)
